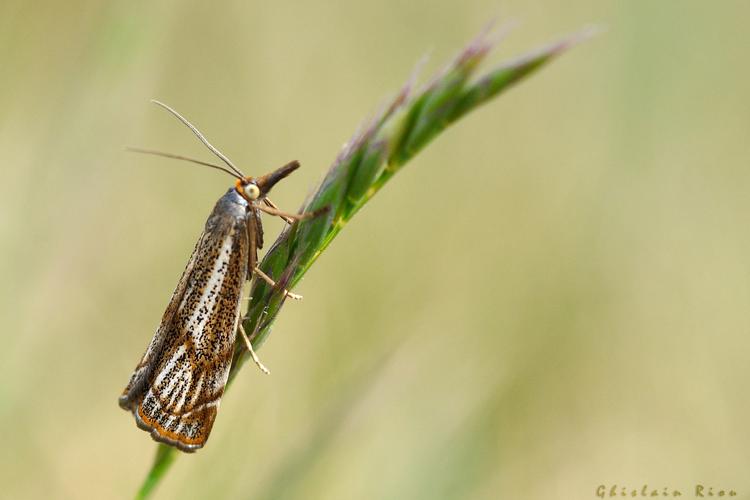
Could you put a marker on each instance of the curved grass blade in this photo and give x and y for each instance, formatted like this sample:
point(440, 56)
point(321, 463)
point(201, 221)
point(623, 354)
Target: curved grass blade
point(369, 160)
point(165, 455)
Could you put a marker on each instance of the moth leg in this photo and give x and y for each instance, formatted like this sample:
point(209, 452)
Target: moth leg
point(252, 352)
point(272, 205)
point(271, 282)
point(306, 215)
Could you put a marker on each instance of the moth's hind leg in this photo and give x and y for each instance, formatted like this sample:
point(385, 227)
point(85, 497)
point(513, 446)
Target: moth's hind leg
point(249, 346)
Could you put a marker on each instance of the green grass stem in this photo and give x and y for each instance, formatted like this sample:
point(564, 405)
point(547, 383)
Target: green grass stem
point(367, 162)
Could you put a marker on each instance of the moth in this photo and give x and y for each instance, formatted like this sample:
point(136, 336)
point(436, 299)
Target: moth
point(175, 390)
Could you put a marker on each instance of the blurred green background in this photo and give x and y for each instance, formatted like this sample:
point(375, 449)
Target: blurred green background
point(553, 296)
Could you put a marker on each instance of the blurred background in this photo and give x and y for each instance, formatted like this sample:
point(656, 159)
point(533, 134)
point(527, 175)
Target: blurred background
point(553, 296)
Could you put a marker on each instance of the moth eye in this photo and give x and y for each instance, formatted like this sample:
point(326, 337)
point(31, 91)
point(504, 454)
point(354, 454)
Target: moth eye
point(252, 191)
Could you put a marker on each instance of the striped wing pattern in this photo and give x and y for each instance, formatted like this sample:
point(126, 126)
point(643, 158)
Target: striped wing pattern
point(175, 390)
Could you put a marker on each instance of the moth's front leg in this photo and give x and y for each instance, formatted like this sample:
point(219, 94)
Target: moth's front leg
point(272, 210)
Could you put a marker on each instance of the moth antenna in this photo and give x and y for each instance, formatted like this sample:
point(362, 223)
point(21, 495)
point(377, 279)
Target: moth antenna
point(179, 157)
point(201, 137)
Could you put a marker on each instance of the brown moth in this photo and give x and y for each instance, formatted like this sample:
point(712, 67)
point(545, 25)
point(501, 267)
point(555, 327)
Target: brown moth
point(175, 390)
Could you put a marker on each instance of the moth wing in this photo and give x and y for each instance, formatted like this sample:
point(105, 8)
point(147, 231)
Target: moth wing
point(258, 229)
point(176, 389)
point(146, 365)
point(254, 229)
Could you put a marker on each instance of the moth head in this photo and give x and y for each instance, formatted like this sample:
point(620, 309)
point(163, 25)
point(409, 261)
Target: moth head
point(254, 188)
point(248, 188)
